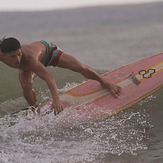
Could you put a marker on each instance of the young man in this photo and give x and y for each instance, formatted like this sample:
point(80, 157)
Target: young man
point(32, 60)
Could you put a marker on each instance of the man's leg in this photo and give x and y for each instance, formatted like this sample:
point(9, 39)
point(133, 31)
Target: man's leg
point(70, 62)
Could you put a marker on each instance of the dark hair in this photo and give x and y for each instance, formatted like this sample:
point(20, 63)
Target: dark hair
point(8, 45)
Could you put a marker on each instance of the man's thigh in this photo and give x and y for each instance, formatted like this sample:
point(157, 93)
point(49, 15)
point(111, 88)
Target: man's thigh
point(69, 62)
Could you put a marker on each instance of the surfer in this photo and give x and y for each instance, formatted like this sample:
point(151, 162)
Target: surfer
point(32, 60)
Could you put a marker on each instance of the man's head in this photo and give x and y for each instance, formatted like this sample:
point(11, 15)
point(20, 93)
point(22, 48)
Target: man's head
point(8, 45)
point(11, 52)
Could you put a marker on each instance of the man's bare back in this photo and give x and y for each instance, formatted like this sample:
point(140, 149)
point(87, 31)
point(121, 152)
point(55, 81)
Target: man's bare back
point(36, 49)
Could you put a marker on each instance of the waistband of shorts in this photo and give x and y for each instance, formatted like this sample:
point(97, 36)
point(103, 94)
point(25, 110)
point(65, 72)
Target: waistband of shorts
point(49, 45)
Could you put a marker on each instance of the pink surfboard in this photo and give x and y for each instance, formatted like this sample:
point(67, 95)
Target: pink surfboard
point(89, 101)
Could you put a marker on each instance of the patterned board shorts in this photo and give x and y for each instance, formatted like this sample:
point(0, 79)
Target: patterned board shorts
point(52, 54)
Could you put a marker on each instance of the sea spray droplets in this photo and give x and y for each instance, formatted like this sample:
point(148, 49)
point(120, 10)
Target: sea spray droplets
point(41, 140)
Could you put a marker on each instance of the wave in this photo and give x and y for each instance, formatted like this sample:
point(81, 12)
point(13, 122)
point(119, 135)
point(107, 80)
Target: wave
point(42, 140)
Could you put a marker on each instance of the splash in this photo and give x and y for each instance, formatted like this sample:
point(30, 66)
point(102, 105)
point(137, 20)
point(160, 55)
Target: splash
point(43, 140)
point(39, 140)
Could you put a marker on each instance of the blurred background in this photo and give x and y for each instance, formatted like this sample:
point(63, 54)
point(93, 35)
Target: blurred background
point(104, 35)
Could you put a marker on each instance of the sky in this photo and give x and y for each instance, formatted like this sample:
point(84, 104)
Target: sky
point(36, 5)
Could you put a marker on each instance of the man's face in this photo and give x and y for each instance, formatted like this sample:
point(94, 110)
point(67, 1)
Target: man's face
point(13, 59)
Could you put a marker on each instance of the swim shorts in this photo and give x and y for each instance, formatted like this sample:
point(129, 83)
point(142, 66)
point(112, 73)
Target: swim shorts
point(52, 54)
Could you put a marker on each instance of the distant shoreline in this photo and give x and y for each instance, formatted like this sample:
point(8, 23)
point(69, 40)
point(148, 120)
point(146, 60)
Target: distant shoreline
point(110, 15)
point(83, 7)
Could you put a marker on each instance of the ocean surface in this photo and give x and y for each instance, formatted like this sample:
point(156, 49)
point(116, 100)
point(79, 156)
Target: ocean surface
point(104, 38)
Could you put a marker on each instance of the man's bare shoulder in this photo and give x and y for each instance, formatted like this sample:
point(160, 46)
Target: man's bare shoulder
point(27, 62)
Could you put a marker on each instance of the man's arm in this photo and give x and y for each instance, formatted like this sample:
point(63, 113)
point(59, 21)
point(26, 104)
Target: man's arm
point(42, 72)
point(26, 80)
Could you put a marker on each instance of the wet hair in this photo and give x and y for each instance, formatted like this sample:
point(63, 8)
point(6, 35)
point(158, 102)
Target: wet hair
point(8, 45)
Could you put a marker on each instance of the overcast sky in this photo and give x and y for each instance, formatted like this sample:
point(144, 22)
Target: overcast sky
point(15, 5)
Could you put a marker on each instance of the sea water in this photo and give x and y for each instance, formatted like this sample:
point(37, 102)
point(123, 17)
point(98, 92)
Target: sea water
point(104, 38)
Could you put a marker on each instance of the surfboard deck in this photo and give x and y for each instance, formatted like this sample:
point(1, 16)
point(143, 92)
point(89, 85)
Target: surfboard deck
point(89, 101)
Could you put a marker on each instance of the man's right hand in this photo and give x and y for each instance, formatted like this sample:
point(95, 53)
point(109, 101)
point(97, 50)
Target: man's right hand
point(57, 106)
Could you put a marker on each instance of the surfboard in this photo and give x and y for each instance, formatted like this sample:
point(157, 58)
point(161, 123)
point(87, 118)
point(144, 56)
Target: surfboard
point(89, 101)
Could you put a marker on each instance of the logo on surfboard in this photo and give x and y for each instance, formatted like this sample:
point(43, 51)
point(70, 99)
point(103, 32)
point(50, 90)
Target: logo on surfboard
point(147, 73)
point(133, 78)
